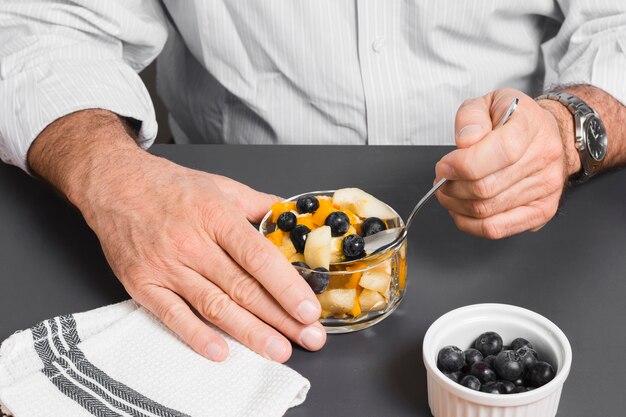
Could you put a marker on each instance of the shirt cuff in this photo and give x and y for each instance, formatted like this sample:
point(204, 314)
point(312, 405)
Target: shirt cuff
point(601, 67)
point(36, 97)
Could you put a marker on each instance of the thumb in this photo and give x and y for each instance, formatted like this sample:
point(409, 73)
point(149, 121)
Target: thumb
point(254, 204)
point(473, 121)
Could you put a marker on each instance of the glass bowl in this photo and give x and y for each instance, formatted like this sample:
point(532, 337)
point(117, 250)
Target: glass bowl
point(362, 292)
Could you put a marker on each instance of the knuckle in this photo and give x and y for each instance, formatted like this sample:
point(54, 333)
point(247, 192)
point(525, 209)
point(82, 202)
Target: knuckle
point(467, 102)
point(215, 306)
point(197, 337)
point(256, 258)
point(171, 314)
point(548, 212)
point(492, 230)
point(249, 333)
point(185, 244)
point(136, 281)
point(288, 290)
point(511, 149)
point(481, 208)
point(483, 188)
point(247, 292)
point(282, 322)
point(214, 213)
point(466, 169)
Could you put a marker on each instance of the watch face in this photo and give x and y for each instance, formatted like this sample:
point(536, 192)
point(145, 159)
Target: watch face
point(596, 138)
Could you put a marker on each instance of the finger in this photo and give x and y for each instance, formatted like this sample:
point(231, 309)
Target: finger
point(522, 193)
point(246, 291)
point(179, 318)
point(261, 259)
point(472, 121)
point(499, 181)
point(499, 149)
point(511, 222)
point(249, 294)
point(218, 308)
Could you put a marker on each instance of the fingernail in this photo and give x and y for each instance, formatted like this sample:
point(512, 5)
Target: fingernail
point(311, 338)
point(307, 312)
point(275, 349)
point(469, 130)
point(214, 351)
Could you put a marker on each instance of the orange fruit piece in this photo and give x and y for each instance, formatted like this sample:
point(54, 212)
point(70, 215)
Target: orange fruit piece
point(281, 207)
point(276, 237)
point(356, 310)
point(325, 208)
point(307, 220)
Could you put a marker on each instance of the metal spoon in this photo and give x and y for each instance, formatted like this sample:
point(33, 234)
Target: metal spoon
point(390, 237)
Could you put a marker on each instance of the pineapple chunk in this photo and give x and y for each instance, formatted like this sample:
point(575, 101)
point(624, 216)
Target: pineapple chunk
point(317, 249)
point(362, 204)
point(286, 246)
point(337, 301)
point(298, 257)
point(371, 300)
point(376, 281)
point(336, 253)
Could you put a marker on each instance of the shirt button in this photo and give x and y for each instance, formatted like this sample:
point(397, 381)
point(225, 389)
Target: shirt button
point(378, 44)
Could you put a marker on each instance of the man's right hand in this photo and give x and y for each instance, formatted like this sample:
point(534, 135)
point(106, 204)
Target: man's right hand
point(177, 237)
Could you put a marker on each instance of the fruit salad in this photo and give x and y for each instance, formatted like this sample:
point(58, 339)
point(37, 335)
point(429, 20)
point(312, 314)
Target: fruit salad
point(322, 233)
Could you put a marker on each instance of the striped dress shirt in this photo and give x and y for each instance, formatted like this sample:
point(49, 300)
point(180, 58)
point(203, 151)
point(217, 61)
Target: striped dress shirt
point(294, 71)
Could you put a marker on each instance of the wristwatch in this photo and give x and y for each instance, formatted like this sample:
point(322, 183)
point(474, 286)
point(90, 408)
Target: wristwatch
point(590, 134)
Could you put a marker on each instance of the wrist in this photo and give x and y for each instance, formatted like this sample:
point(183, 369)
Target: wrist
point(566, 127)
point(81, 152)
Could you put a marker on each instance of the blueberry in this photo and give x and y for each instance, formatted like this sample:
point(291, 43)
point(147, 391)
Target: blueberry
point(508, 365)
point(298, 237)
point(519, 342)
point(450, 359)
point(470, 382)
point(472, 356)
point(493, 387)
point(520, 389)
point(509, 387)
point(489, 360)
point(372, 225)
point(307, 204)
point(489, 343)
point(318, 280)
point(454, 376)
point(519, 381)
point(540, 374)
point(483, 372)
point(339, 223)
point(353, 246)
point(286, 221)
point(527, 356)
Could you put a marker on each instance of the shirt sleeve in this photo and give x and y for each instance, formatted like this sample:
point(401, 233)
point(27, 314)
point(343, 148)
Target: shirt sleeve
point(58, 57)
point(590, 46)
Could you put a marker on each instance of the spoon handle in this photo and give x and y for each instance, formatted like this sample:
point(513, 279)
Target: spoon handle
point(501, 121)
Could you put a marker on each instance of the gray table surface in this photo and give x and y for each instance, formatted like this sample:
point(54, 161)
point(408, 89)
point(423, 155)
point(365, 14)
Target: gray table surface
point(573, 271)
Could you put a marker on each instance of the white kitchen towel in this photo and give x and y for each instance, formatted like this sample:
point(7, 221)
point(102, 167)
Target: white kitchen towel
point(120, 360)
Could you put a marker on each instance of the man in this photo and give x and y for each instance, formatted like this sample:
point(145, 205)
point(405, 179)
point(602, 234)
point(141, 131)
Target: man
point(334, 71)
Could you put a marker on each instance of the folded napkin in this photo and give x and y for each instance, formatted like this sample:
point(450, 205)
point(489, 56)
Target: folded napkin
point(121, 361)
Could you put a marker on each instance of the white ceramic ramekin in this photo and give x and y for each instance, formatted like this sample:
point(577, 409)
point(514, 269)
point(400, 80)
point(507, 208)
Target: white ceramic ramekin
point(461, 327)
